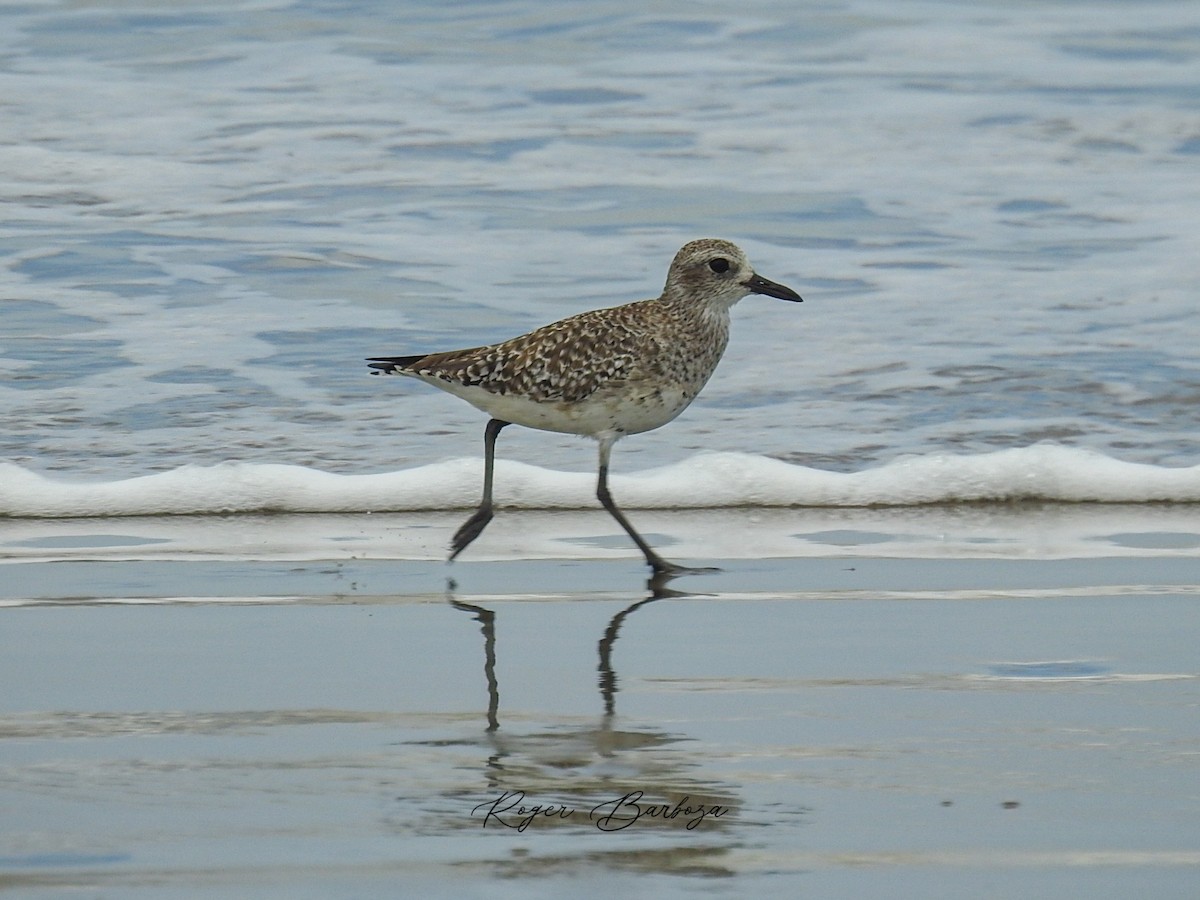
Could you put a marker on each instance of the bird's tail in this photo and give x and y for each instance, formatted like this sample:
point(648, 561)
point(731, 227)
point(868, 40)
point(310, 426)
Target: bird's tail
point(393, 365)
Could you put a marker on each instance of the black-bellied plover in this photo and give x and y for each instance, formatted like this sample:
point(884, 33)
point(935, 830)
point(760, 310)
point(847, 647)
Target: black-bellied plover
point(605, 373)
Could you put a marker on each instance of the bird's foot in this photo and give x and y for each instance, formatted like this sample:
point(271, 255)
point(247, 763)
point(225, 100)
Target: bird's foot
point(663, 569)
point(664, 573)
point(470, 530)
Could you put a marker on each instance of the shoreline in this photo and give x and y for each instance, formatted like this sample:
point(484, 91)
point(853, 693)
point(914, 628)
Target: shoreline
point(303, 705)
point(977, 530)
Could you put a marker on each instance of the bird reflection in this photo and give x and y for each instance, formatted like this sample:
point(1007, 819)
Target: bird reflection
point(657, 590)
point(582, 766)
point(608, 675)
point(487, 620)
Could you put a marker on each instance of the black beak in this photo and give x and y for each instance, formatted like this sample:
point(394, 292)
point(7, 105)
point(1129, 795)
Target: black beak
point(759, 285)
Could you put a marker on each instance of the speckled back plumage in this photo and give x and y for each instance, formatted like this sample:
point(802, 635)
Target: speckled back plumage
point(622, 369)
point(569, 360)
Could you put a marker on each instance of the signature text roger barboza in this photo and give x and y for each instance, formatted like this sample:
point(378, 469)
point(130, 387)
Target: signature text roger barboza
point(510, 810)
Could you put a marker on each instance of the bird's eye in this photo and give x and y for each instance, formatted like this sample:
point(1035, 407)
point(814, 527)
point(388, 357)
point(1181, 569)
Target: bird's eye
point(720, 265)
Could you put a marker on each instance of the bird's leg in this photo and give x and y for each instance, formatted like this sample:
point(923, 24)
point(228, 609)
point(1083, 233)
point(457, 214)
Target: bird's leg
point(659, 565)
point(474, 526)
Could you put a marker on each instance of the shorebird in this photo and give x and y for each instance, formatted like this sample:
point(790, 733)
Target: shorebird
point(604, 373)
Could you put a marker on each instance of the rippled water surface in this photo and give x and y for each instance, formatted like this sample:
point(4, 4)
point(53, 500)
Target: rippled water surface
point(214, 212)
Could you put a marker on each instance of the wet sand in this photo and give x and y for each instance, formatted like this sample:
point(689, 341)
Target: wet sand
point(939, 702)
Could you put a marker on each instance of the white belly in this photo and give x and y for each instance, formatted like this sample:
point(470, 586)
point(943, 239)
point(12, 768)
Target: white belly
point(632, 409)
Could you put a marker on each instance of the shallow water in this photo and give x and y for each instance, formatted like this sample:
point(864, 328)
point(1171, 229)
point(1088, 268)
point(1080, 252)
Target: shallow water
point(909, 701)
point(849, 724)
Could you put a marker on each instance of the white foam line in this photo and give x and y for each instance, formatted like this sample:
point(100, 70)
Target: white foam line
point(707, 480)
point(154, 601)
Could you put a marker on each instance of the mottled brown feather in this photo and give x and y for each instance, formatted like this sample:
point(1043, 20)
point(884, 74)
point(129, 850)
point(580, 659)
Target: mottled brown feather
point(566, 361)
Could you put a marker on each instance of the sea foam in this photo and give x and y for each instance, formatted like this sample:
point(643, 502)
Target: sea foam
point(1043, 472)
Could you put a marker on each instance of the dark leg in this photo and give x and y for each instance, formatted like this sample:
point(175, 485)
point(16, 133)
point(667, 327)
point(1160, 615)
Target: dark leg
point(474, 526)
point(659, 565)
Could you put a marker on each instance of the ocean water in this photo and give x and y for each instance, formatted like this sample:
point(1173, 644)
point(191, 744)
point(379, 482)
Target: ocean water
point(213, 212)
